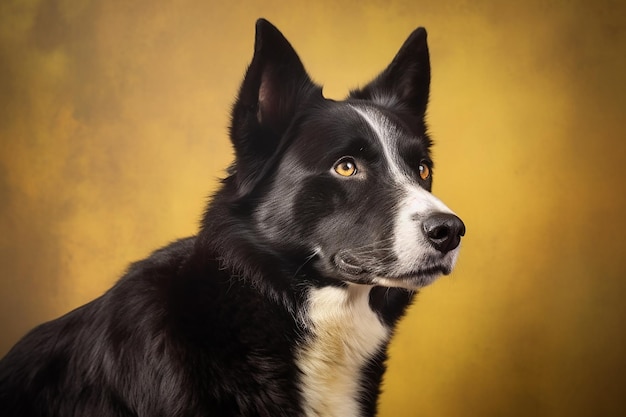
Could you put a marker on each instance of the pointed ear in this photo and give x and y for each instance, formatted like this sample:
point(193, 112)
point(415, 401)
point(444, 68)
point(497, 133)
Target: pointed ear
point(274, 86)
point(405, 83)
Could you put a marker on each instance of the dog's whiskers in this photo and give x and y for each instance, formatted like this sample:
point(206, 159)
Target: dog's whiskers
point(379, 245)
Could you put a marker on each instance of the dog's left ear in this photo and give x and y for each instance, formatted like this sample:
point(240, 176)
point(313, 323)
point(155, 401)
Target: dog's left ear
point(405, 83)
point(274, 87)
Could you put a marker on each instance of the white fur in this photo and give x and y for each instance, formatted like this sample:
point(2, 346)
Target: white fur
point(387, 134)
point(345, 334)
point(409, 240)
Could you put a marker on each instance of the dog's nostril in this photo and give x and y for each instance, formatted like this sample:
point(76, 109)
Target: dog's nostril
point(439, 232)
point(443, 231)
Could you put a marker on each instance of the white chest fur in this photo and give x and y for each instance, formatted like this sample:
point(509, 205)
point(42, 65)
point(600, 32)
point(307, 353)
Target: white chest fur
point(346, 333)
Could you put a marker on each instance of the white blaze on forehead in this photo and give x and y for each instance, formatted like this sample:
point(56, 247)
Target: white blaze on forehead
point(388, 134)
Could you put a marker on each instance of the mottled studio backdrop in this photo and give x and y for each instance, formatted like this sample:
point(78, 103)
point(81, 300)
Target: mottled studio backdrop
point(113, 133)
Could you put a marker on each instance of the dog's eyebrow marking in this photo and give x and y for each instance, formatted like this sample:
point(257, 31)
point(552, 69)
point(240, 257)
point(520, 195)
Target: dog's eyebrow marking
point(387, 134)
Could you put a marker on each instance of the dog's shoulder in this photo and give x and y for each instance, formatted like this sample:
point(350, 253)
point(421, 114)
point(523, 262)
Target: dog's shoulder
point(101, 345)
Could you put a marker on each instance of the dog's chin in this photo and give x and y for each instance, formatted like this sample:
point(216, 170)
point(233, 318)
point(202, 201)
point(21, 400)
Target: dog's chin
point(413, 280)
point(352, 272)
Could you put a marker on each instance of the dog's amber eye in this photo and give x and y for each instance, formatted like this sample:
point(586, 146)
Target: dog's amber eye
point(345, 167)
point(424, 171)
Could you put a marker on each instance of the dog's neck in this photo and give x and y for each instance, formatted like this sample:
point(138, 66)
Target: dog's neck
point(344, 335)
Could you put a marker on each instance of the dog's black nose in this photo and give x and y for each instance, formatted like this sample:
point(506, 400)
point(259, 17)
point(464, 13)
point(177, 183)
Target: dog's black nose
point(444, 231)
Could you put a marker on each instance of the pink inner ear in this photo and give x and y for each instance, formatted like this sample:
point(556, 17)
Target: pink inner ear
point(264, 98)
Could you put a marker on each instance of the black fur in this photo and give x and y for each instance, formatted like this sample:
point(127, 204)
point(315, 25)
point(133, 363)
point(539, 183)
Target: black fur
point(209, 325)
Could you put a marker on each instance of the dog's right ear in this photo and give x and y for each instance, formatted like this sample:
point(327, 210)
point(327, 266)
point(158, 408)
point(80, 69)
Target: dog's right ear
point(404, 85)
point(274, 86)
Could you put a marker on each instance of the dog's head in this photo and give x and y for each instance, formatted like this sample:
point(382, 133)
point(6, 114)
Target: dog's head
point(345, 182)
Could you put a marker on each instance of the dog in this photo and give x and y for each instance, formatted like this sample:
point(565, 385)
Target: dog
point(284, 303)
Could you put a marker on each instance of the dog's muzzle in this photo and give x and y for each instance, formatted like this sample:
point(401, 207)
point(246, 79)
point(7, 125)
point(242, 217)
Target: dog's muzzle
point(442, 232)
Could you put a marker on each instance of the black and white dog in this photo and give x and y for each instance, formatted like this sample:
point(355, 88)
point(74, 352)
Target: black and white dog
point(285, 301)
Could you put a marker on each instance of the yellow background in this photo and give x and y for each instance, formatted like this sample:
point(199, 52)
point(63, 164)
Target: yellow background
point(113, 128)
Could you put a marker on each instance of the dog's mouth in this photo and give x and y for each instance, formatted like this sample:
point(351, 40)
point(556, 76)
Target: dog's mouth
point(367, 271)
point(429, 271)
point(349, 264)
